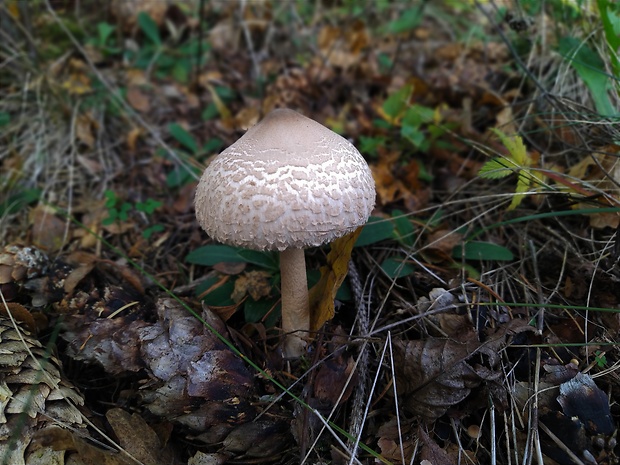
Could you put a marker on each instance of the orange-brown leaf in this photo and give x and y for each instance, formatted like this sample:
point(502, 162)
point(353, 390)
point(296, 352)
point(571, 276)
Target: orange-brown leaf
point(322, 295)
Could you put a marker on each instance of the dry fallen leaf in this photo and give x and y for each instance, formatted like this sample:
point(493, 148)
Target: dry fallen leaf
point(20, 314)
point(435, 374)
point(323, 293)
point(431, 451)
point(137, 438)
point(138, 99)
point(331, 381)
point(60, 439)
point(343, 47)
point(253, 283)
point(48, 230)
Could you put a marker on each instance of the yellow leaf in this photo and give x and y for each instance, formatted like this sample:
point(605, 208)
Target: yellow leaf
point(523, 185)
point(13, 9)
point(323, 293)
point(515, 147)
point(219, 103)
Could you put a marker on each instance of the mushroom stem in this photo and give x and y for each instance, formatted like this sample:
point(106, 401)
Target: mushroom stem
point(295, 305)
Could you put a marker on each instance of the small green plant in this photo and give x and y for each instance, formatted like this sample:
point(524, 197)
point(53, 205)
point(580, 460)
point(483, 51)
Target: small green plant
point(119, 211)
point(104, 41)
point(5, 118)
point(189, 150)
point(18, 200)
point(176, 60)
point(517, 161)
point(420, 125)
point(600, 359)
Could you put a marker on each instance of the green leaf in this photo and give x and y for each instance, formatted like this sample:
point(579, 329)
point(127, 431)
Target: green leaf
point(591, 70)
point(414, 135)
point(18, 201)
point(5, 118)
point(516, 148)
point(385, 62)
point(369, 145)
point(111, 199)
point(482, 251)
point(183, 137)
point(181, 175)
point(267, 260)
point(407, 21)
point(405, 233)
point(417, 115)
point(610, 18)
point(523, 185)
point(149, 27)
point(396, 104)
point(376, 230)
point(209, 112)
point(265, 310)
point(148, 232)
point(212, 145)
point(209, 255)
point(149, 206)
point(181, 70)
point(495, 169)
point(112, 217)
point(395, 267)
point(225, 93)
point(104, 31)
point(218, 297)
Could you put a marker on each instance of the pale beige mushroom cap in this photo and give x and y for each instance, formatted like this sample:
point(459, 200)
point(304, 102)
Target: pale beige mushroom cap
point(288, 182)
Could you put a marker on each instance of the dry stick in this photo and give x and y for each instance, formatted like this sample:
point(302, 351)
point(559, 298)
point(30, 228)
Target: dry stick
point(198, 57)
point(360, 405)
point(248, 40)
point(535, 433)
point(507, 434)
point(541, 312)
point(493, 439)
point(396, 408)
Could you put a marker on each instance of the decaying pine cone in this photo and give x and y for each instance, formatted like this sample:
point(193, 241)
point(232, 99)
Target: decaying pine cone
point(196, 381)
point(33, 395)
point(18, 263)
point(27, 271)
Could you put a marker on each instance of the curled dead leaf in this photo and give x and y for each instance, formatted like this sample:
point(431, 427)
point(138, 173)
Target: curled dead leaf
point(138, 99)
point(137, 437)
point(323, 294)
point(20, 314)
point(48, 230)
point(253, 283)
point(436, 374)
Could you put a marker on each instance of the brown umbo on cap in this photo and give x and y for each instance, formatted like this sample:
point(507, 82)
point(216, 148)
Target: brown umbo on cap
point(289, 182)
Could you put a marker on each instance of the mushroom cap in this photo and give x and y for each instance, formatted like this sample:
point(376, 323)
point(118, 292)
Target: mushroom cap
point(288, 182)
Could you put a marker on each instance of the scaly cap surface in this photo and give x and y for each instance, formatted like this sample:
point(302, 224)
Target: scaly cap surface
point(288, 182)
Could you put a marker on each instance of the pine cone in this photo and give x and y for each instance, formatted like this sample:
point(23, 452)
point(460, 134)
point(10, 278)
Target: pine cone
point(18, 263)
point(33, 394)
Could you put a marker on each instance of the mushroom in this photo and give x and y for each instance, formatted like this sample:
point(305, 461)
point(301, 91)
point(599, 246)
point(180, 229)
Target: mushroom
point(288, 183)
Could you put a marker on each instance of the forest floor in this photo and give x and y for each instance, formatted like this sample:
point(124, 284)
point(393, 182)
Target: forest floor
point(478, 317)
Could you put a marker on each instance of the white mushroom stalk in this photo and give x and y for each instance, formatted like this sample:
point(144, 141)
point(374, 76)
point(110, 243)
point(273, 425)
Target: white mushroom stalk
point(287, 184)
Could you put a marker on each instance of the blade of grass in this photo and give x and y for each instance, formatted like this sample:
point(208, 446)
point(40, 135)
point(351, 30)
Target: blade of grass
point(540, 216)
point(591, 69)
